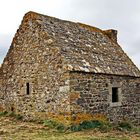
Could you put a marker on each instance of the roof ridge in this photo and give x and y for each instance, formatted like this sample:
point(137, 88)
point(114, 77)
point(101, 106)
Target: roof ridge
point(34, 15)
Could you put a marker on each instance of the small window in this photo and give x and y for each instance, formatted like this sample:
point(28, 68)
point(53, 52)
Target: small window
point(12, 109)
point(27, 88)
point(115, 97)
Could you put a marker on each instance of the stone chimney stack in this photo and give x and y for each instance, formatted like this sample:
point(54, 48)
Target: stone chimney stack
point(112, 34)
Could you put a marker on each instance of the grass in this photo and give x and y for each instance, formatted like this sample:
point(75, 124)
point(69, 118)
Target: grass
point(12, 128)
point(3, 113)
point(11, 114)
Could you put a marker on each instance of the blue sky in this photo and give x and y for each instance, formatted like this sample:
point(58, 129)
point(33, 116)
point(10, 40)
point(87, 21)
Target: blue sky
point(122, 15)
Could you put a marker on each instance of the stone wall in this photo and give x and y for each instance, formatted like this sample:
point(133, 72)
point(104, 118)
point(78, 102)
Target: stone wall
point(35, 81)
point(1, 96)
point(90, 94)
point(34, 58)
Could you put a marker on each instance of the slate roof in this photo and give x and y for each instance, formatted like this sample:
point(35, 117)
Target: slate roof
point(86, 48)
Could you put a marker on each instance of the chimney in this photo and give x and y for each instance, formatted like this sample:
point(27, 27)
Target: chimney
point(112, 34)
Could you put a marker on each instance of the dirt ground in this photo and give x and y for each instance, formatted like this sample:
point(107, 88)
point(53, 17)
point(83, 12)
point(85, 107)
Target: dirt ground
point(11, 129)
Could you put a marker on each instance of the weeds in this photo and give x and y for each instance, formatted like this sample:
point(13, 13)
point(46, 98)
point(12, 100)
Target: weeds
point(11, 114)
point(54, 125)
point(125, 125)
point(94, 124)
point(84, 125)
point(100, 125)
point(3, 113)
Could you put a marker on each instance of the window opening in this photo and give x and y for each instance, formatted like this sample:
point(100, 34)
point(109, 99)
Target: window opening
point(115, 97)
point(27, 88)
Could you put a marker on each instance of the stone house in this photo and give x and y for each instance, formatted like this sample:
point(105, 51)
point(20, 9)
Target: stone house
point(64, 68)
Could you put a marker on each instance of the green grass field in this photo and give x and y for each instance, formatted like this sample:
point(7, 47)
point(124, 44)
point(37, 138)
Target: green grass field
point(13, 129)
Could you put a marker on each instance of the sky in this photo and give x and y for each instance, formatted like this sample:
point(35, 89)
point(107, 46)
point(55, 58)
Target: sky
point(122, 15)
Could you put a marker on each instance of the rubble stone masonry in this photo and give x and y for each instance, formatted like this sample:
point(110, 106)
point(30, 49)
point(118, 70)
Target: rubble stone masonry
point(93, 96)
point(59, 69)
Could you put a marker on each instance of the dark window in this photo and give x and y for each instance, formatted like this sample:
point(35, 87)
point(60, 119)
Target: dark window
point(12, 109)
point(27, 88)
point(115, 97)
